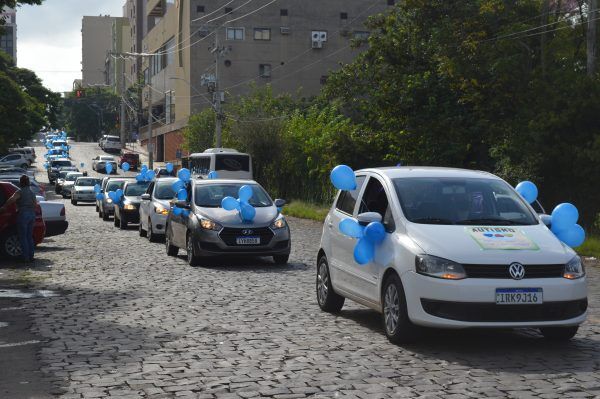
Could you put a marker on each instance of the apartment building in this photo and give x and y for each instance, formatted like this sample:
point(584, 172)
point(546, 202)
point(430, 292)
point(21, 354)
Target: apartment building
point(96, 42)
point(291, 45)
point(116, 65)
point(8, 39)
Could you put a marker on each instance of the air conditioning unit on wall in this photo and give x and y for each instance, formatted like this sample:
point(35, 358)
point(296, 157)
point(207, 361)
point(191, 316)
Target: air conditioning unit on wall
point(317, 44)
point(285, 30)
point(318, 38)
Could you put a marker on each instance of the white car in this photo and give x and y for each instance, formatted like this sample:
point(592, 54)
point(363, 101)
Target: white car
point(99, 163)
point(460, 249)
point(54, 217)
point(155, 208)
point(69, 183)
point(112, 144)
point(83, 190)
point(18, 160)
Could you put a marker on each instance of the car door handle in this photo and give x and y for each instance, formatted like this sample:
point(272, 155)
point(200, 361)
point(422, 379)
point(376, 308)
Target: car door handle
point(330, 225)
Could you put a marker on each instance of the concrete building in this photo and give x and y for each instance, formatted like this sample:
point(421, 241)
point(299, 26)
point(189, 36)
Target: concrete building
point(292, 45)
point(96, 42)
point(116, 65)
point(8, 39)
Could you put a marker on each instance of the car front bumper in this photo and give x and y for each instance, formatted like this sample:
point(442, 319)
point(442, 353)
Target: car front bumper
point(210, 243)
point(84, 197)
point(471, 302)
point(131, 216)
point(158, 223)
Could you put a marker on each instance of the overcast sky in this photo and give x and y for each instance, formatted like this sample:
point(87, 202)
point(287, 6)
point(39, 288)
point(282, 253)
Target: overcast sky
point(49, 38)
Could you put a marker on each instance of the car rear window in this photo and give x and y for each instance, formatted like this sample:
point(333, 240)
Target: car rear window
point(61, 163)
point(136, 189)
point(232, 163)
point(164, 190)
point(114, 185)
point(113, 139)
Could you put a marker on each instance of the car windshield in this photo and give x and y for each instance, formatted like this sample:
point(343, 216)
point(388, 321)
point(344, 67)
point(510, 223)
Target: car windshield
point(136, 189)
point(164, 190)
point(107, 159)
point(114, 185)
point(57, 164)
point(87, 182)
point(462, 201)
point(211, 195)
point(72, 177)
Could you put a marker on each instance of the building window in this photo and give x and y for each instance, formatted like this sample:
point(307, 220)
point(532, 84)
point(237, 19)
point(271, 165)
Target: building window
point(391, 2)
point(228, 10)
point(262, 34)
point(199, 8)
point(264, 70)
point(361, 34)
point(323, 79)
point(343, 15)
point(283, 12)
point(235, 33)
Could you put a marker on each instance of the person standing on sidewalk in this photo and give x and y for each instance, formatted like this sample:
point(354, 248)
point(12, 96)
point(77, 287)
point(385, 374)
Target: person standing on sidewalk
point(26, 202)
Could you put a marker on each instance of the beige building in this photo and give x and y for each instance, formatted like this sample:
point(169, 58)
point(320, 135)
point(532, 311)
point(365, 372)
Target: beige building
point(96, 42)
point(292, 45)
point(116, 65)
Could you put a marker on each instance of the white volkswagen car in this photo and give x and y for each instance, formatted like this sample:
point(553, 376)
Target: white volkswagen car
point(155, 206)
point(462, 249)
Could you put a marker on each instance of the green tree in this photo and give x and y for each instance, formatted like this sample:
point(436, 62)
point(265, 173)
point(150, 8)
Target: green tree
point(199, 134)
point(88, 117)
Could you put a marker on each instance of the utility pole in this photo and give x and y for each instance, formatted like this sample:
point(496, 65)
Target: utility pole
point(150, 120)
point(592, 48)
point(123, 117)
point(217, 95)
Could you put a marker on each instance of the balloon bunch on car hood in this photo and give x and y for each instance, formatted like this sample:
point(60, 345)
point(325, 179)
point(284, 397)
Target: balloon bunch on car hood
point(98, 191)
point(563, 219)
point(116, 196)
point(369, 236)
point(144, 175)
point(179, 187)
point(245, 210)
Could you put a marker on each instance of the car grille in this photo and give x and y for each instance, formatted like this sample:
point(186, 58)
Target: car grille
point(501, 271)
point(228, 235)
point(490, 312)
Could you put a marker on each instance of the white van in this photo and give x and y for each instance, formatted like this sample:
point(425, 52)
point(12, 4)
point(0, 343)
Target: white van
point(112, 143)
point(227, 162)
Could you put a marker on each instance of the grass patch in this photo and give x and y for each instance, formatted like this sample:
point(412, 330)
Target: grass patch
point(591, 247)
point(305, 210)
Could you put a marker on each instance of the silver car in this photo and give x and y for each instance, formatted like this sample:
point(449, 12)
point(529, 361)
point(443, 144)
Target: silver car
point(106, 208)
point(83, 190)
point(155, 208)
point(210, 230)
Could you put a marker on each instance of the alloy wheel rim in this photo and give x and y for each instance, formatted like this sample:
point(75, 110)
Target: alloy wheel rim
point(322, 283)
point(391, 308)
point(13, 247)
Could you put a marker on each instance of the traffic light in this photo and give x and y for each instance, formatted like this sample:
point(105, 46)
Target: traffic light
point(79, 93)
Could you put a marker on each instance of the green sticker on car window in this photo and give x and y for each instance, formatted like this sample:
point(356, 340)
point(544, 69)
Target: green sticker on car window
point(501, 238)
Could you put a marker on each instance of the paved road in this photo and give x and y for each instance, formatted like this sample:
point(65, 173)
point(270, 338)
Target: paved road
point(132, 322)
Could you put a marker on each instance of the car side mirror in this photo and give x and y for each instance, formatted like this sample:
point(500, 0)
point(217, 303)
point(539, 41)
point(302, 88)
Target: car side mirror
point(368, 217)
point(182, 204)
point(279, 203)
point(145, 197)
point(546, 219)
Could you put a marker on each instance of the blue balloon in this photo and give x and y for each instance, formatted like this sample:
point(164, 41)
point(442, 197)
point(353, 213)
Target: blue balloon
point(169, 167)
point(177, 185)
point(182, 195)
point(46, 165)
point(99, 196)
point(573, 236)
point(184, 174)
point(139, 177)
point(364, 251)
point(108, 168)
point(213, 175)
point(144, 169)
point(119, 194)
point(185, 213)
point(230, 204)
point(112, 196)
point(177, 211)
point(564, 216)
point(97, 189)
point(375, 232)
point(343, 178)
point(150, 175)
point(351, 228)
point(527, 190)
point(82, 164)
point(247, 212)
point(245, 193)
point(125, 166)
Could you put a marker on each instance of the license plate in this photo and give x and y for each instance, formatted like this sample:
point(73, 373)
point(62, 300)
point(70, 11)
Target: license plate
point(519, 296)
point(247, 240)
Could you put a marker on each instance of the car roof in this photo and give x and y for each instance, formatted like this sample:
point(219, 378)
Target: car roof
point(428, 171)
point(224, 181)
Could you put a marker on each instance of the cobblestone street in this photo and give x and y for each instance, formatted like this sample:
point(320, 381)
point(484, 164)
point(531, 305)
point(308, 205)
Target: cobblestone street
point(129, 321)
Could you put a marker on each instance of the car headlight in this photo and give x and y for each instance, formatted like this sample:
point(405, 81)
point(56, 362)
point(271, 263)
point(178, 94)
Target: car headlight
point(208, 224)
point(279, 224)
point(160, 210)
point(440, 268)
point(574, 269)
point(129, 207)
point(109, 201)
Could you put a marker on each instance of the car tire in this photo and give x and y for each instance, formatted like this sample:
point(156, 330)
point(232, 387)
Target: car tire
point(559, 333)
point(97, 209)
point(328, 299)
point(122, 223)
point(116, 220)
point(192, 258)
point(172, 250)
point(150, 234)
point(73, 202)
point(396, 323)
point(105, 216)
point(281, 259)
point(10, 245)
point(141, 230)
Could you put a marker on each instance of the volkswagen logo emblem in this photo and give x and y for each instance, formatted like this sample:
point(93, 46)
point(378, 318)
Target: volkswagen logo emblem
point(516, 270)
point(247, 232)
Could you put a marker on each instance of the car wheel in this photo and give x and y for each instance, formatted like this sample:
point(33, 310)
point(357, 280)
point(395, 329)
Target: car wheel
point(328, 300)
point(281, 259)
point(559, 333)
point(141, 230)
point(192, 258)
point(122, 223)
point(172, 250)
point(396, 323)
point(73, 202)
point(97, 209)
point(150, 233)
point(10, 245)
point(105, 216)
point(116, 220)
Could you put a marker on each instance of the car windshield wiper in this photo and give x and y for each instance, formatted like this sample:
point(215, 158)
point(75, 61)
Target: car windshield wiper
point(432, 221)
point(492, 221)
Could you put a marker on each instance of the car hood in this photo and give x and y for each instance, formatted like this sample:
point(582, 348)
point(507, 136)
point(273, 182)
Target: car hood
point(458, 243)
point(84, 188)
point(128, 199)
point(264, 216)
